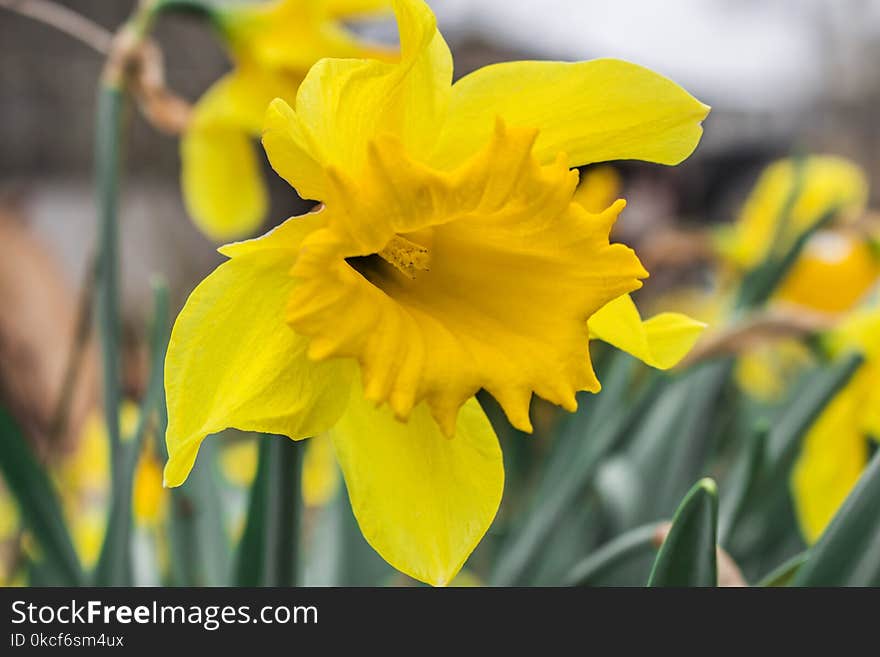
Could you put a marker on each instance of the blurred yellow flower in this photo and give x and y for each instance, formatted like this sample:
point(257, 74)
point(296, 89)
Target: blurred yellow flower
point(835, 272)
point(87, 531)
point(149, 498)
point(836, 449)
point(320, 475)
point(83, 480)
point(766, 370)
point(821, 183)
point(238, 462)
point(272, 45)
point(448, 256)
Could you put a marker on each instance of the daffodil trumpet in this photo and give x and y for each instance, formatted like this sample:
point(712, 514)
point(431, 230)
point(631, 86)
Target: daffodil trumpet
point(449, 256)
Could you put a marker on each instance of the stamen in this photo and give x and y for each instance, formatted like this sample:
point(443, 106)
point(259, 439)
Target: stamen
point(408, 257)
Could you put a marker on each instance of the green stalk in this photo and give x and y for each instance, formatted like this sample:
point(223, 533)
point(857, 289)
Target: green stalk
point(285, 508)
point(114, 563)
point(268, 553)
point(107, 160)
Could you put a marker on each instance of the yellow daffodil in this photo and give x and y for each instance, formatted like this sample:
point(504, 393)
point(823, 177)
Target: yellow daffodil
point(448, 256)
point(272, 45)
point(836, 270)
point(819, 183)
point(836, 449)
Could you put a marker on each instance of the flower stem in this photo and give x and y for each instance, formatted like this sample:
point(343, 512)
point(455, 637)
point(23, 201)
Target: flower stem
point(284, 513)
point(269, 550)
point(107, 160)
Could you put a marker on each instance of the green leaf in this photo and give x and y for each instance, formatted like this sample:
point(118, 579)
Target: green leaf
point(784, 440)
point(670, 444)
point(200, 553)
point(619, 550)
point(584, 441)
point(784, 573)
point(688, 555)
point(742, 477)
point(38, 503)
point(337, 554)
point(848, 552)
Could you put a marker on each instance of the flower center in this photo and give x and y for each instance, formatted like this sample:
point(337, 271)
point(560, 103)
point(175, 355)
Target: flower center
point(405, 255)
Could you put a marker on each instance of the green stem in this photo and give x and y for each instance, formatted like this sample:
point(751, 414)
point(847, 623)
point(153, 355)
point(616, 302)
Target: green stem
point(282, 537)
point(107, 160)
point(114, 564)
point(268, 553)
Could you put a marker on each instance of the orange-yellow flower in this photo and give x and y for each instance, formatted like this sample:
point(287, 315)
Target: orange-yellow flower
point(448, 256)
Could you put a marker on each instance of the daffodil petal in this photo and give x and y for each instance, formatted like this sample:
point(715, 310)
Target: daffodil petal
point(287, 236)
point(342, 8)
point(223, 187)
point(221, 175)
point(594, 111)
point(294, 34)
point(599, 187)
point(423, 501)
point(343, 104)
point(661, 341)
point(239, 99)
point(233, 362)
point(834, 454)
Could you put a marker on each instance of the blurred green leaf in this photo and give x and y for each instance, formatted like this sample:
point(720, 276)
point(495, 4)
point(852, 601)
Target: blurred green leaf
point(783, 574)
point(620, 549)
point(38, 503)
point(688, 555)
point(338, 553)
point(200, 552)
point(848, 552)
point(789, 429)
point(764, 530)
point(670, 444)
point(583, 443)
point(742, 477)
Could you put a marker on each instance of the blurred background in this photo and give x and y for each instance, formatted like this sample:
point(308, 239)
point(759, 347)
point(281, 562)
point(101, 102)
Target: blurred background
point(783, 77)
